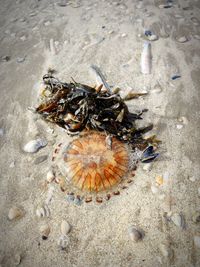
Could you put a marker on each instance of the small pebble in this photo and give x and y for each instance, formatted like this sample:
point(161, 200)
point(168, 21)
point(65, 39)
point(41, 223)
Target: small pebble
point(182, 39)
point(197, 241)
point(197, 37)
point(40, 159)
point(70, 198)
point(179, 126)
point(17, 259)
point(15, 213)
point(134, 234)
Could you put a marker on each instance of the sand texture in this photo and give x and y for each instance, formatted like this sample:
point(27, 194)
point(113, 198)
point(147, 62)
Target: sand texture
point(69, 36)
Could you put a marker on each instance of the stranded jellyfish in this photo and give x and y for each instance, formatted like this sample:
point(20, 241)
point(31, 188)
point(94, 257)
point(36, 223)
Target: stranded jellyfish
point(92, 166)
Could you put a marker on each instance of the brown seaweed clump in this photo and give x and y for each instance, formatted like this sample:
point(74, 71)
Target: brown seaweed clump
point(76, 107)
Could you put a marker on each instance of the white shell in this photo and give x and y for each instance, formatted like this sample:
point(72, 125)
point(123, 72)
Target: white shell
point(177, 219)
point(182, 39)
point(197, 241)
point(152, 37)
point(14, 213)
point(146, 59)
point(179, 126)
point(147, 167)
point(135, 234)
point(43, 211)
point(63, 242)
point(34, 145)
point(50, 176)
point(154, 189)
point(65, 228)
point(44, 230)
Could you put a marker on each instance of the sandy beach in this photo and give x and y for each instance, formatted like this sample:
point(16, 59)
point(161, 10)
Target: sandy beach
point(163, 202)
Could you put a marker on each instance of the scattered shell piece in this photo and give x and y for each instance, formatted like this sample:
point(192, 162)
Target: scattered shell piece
point(49, 195)
point(152, 37)
point(34, 145)
point(176, 76)
point(192, 178)
point(183, 119)
point(178, 220)
point(168, 5)
point(45, 231)
point(157, 89)
point(47, 23)
point(70, 198)
point(147, 167)
point(123, 35)
point(146, 59)
point(135, 234)
point(40, 159)
point(196, 217)
point(42, 211)
point(197, 241)
point(159, 180)
point(12, 164)
point(21, 59)
point(15, 213)
point(23, 38)
point(154, 189)
point(63, 242)
point(182, 39)
point(166, 251)
point(65, 228)
point(50, 176)
point(179, 126)
point(166, 177)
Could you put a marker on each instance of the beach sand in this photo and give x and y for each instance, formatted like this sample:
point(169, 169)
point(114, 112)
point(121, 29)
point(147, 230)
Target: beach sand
point(69, 36)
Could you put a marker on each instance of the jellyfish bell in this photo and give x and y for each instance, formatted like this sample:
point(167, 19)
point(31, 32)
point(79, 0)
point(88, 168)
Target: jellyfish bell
point(93, 166)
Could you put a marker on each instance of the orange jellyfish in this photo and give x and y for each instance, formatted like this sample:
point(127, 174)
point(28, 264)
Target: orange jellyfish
point(93, 166)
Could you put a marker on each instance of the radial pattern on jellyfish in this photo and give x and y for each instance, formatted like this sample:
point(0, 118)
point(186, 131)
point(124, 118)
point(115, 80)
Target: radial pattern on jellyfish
point(91, 165)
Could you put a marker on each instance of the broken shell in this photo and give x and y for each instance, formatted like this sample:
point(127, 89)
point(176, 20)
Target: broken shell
point(135, 234)
point(63, 242)
point(197, 241)
point(154, 189)
point(178, 220)
point(43, 211)
point(183, 119)
point(65, 228)
point(152, 37)
point(147, 167)
point(34, 145)
point(45, 231)
point(15, 213)
point(179, 126)
point(50, 176)
point(182, 39)
point(146, 59)
point(159, 180)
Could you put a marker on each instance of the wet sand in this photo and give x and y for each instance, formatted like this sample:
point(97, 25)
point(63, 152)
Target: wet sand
point(69, 37)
